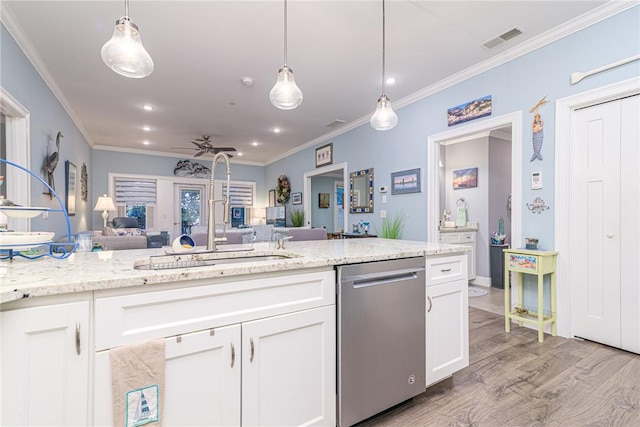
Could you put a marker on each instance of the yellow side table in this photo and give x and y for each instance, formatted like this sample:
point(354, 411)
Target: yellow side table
point(527, 261)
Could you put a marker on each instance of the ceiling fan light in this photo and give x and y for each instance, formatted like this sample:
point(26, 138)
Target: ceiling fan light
point(124, 52)
point(286, 95)
point(384, 117)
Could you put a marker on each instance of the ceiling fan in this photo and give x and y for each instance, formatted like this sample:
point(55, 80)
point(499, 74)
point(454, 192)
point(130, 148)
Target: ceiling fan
point(202, 145)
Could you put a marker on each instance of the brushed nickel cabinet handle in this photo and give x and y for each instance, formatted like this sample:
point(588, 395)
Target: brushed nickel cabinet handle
point(444, 270)
point(252, 350)
point(430, 304)
point(233, 355)
point(78, 348)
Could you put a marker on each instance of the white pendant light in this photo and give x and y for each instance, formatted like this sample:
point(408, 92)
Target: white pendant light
point(124, 53)
point(384, 117)
point(285, 95)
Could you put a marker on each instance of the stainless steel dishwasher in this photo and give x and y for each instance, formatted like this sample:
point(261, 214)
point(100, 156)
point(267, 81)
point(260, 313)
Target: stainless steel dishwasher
point(381, 336)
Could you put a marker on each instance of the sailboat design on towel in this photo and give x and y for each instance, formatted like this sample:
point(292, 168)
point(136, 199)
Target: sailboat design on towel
point(142, 411)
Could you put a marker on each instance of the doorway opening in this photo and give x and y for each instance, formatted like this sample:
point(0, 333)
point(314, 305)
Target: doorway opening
point(335, 173)
point(435, 179)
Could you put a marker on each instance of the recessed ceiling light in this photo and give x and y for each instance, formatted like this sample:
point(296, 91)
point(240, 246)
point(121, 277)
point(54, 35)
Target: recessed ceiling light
point(239, 153)
point(147, 107)
point(276, 130)
point(145, 142)
point(247, 81)
point(255, 143)
point(146, 129)
point(390, 80)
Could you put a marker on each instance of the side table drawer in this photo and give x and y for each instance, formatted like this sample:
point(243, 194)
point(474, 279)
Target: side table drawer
point(446, 269)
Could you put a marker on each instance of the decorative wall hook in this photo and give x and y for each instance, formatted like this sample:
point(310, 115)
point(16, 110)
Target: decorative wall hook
point(537, 206)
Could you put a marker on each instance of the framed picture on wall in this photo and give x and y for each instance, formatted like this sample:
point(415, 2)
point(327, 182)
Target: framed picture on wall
point(405, 182)
point(465, 178)
point(323, 200)
point(71, 178)
point(324, 155)
point(296, 198)
point(272, 198)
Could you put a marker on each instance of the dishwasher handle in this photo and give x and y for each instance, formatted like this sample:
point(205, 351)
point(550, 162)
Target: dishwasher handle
point(386, 279)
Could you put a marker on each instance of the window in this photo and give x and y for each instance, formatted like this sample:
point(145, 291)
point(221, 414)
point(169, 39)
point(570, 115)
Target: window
point(137, 198)
point(241, 194)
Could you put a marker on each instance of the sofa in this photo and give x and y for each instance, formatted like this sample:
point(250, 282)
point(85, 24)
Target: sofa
point(121, 233)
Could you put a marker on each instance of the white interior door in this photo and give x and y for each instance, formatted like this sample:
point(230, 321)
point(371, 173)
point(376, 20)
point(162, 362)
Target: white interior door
point(604, 232)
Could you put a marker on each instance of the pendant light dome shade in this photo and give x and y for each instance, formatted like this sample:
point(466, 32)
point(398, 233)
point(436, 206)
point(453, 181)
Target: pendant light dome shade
point(124, 52)
point(384, 118)
point(286, 95)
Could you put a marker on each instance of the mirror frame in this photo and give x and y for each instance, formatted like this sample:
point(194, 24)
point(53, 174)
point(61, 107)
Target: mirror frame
point(368, 208)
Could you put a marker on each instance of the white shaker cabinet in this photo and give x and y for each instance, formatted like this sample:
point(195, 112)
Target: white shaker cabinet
point(447, 317)
point(202, 380)
point(251, 352)
point(288, 369)
point(467, 238)
point(45, 365)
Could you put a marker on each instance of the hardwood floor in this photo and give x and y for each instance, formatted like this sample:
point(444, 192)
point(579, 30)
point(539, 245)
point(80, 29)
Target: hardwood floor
point(512, 380)
point(492, 302)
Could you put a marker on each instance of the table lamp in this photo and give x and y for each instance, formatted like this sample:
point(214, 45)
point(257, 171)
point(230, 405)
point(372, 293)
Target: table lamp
point(105, 204)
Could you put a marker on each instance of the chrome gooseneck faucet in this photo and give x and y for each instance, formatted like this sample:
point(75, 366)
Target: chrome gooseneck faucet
point(211, 226)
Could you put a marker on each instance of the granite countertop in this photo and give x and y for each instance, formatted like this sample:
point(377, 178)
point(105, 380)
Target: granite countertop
point(81, 272)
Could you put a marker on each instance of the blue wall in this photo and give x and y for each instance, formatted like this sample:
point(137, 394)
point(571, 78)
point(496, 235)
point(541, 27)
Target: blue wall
point(514, 86)
point(47, 117)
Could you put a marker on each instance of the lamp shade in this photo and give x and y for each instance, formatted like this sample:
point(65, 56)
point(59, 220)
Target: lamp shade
point(124, 52)
point(105, 203)
point(286, 95)
point(384, 118)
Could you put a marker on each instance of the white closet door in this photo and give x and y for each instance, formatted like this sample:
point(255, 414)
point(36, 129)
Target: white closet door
point(604, 237)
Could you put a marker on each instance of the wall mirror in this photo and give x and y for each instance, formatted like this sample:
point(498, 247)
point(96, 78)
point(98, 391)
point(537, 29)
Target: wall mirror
point(361, 191)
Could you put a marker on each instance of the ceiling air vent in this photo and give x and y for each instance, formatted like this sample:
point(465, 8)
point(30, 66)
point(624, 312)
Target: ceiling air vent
point(514, 32)
point(335, 124)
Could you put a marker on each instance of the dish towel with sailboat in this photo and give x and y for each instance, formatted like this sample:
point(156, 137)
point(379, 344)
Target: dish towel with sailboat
point(137, 383)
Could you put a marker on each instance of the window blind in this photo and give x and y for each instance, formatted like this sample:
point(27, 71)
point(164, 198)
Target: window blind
point(240, 194)
point(135, 191)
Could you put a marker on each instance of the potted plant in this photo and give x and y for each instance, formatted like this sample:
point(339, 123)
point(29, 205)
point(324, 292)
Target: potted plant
point(297, 218)
point(392, 226)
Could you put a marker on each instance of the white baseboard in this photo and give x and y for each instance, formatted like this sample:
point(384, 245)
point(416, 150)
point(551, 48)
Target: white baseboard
point(481, 281)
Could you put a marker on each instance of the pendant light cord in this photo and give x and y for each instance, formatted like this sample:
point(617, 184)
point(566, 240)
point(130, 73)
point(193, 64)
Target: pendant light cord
point(285, 33)
point(383, 46)
point(126, 8)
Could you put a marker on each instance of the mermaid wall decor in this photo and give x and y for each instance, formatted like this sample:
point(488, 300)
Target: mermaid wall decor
point(537, 128)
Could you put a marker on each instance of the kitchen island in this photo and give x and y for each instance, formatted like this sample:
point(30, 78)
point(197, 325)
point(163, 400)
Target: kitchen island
point(238, 337)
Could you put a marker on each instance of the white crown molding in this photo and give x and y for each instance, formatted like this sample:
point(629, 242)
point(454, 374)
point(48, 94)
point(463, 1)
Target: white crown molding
point(168, 154)
point(23, 42)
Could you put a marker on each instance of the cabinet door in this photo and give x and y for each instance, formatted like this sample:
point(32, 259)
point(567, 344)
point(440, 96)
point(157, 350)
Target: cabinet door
point(447, 329)
point(288, 369)
point(202, 380)
point(44, 379)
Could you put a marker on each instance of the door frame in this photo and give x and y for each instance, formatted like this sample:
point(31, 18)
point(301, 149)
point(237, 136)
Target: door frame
point(565, 109)
point(307, 188)
point(18, 143)
point(469, 132)
point(336, 207)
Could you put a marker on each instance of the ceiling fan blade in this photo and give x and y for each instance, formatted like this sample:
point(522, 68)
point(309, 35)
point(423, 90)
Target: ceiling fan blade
point(199, 153)
point(197, 144)
point(225, 149)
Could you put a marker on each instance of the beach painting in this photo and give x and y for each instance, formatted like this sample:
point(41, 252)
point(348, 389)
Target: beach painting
point(469, 111)
point(465, 178)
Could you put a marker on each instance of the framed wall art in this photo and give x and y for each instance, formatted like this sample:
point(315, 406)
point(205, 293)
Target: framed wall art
point(469, 111)
point(324, 155)
point(296, 198)
point(272, 198)
point(405, 181)
point(465, 178)
point(323, 200)
point(71, 179)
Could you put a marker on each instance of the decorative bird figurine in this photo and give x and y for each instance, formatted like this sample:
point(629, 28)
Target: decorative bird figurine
point(51, 163)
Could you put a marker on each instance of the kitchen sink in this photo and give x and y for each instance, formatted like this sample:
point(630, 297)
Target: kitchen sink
point(206, 259)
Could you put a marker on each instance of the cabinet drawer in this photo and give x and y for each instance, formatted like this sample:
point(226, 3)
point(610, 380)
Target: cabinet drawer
point(446, 269)
point(466, 237)
point(135, 317)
